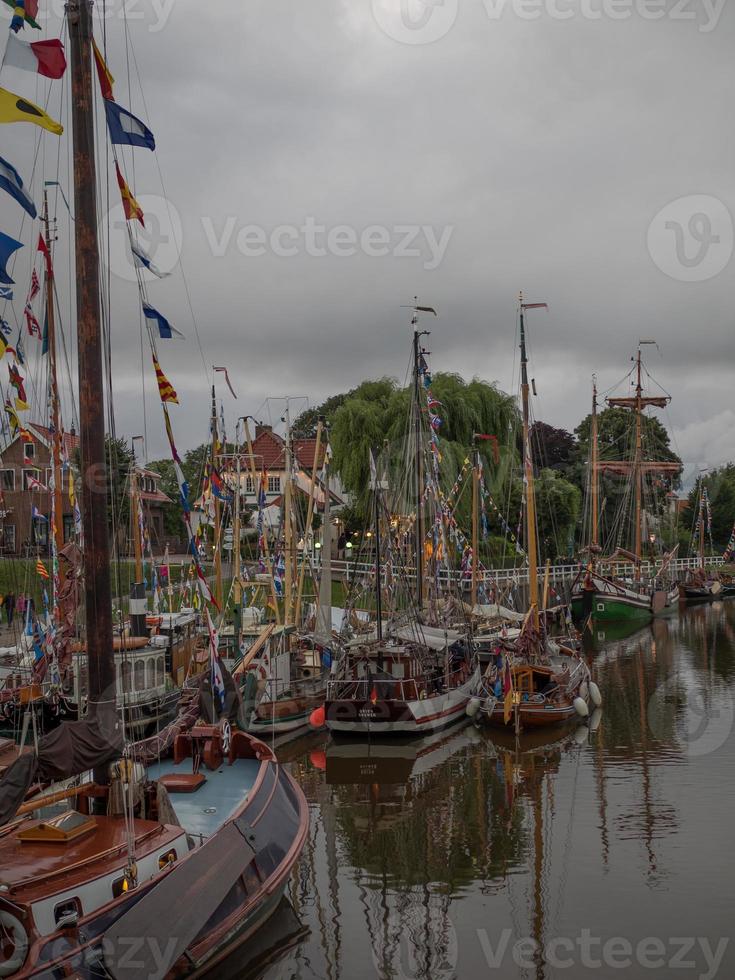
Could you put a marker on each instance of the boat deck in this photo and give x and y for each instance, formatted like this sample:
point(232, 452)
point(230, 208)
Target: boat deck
point(200, 813)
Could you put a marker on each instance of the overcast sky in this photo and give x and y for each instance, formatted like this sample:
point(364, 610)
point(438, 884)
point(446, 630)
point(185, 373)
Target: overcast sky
point(579, 150)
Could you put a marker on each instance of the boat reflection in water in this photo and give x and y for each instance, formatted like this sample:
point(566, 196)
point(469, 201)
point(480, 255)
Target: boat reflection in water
point(427, 860)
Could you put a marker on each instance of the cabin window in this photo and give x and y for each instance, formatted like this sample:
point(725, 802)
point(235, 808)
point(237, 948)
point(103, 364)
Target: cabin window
point(274, 484)
point(150, 673)
point(29, 450)
point(165, 859)
point(160, 672)
point(68, 906)
point(7, 479)
point(125, 671)
point(139, 675)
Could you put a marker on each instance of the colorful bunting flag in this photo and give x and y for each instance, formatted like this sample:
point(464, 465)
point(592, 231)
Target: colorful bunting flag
point(41, 569)
point(37, 515)
point(6, 292)
point(35, 287)
point(103, 74)
point(131, 207)
point(8, 245)
point(126, 129)
point(42, 57)
point(143, 261)
point(34, 328)
point(14, 108)
point(165, 388)
point(12, 183)
point(16, 380)
point(165, 330)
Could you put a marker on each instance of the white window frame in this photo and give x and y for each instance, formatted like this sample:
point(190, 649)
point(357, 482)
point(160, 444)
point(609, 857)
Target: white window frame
point(35, 473)
point(274, 483)
point(29, 447)
point(7, 469)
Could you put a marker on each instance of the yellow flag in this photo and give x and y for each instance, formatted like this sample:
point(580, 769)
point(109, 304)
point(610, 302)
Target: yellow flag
point(14, 108)
point(508, 706)
point(21, 405)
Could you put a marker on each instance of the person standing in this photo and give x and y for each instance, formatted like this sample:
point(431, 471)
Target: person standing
point(9, 607)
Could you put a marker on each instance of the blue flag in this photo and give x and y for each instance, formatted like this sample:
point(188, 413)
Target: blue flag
point(10, 181)
point(126, 129)
point(5, 327)
point(164, 327)
point(143, 261)
point(6, 292)
point(8, 245)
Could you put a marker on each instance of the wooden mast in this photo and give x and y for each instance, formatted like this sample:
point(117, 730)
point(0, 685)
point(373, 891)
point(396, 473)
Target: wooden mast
point(531, 544)
point(135, 521)
point(266, 550)
point(475, 524)
point(288, 531)
point(637, 470)
point(309, 518)
point(97, 591)
point(701, 522)
point(58, 528)
point(217, 510)
point(418, 464)
point(595, 474)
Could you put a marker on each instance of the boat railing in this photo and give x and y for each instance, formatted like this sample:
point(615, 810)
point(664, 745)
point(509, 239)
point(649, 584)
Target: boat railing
point(396, 689)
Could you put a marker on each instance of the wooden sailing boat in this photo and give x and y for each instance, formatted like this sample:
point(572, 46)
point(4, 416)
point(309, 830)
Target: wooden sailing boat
point(531, 680)
point(407, 678)
point(699, 585)
point(75, 886)
point(602, 595)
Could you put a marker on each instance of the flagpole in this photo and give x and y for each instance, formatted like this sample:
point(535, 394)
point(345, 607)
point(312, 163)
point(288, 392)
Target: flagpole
point(57, 511)
point(217, 510)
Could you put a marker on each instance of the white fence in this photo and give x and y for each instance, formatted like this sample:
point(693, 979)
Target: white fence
point(558, 574)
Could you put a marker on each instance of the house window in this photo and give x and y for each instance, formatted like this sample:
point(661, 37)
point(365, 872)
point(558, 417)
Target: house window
point(7, 479)
point(274, 484)
point(249, 484)
point(29, 450)
point(29, 474)
point(8, 539)
point(40, 532)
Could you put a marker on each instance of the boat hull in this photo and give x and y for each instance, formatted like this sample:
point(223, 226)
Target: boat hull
point(399, 717)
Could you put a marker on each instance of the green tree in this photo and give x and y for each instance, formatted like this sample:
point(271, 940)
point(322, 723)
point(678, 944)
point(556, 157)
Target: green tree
point(720, 484)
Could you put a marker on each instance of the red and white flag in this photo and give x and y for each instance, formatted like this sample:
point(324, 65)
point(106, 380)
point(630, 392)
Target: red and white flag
point(32, 323)
point(35, 287)
point(42, 57)
point(33, 484)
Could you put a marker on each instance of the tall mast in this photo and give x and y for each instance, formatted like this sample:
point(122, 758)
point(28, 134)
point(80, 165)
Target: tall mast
point(531, 546)
point(637, 469)
point(288, 529)
point(97, 592)
point(419, 468)
point(58, 528)
point(594, 475)
point(266, 549)
point(378, 577)
point(324, 610)
point(217, 510)
point(701, 522)
point(475, 524)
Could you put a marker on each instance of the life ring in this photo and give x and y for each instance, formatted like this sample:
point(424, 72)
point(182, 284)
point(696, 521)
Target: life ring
point(13, 927)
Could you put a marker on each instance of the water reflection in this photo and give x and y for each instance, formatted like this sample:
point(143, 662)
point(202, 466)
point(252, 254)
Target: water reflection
point(431, 859)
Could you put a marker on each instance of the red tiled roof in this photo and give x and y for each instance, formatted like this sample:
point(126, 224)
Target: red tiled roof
point(269, 450)
point(71, 439)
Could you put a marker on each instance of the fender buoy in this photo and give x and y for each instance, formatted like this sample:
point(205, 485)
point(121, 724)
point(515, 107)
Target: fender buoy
point(580, 706)
point(318, 717)
point(473, 706)
point(15, 929)
point(584, 690)
point(595, 694)
point(226, 730)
